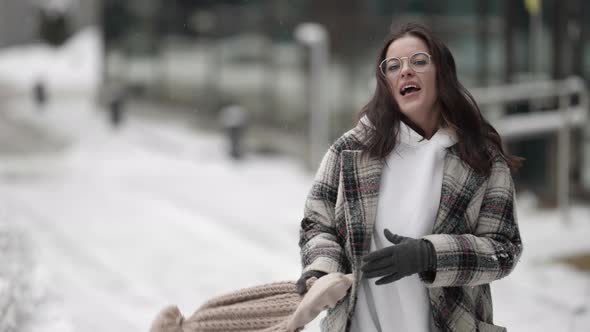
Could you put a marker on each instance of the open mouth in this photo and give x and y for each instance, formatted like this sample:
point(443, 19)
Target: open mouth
point(408, 89)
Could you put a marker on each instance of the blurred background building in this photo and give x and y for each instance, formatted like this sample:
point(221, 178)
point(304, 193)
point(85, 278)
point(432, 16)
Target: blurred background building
point(30, 20)
point(200, 56)
point(207, 54)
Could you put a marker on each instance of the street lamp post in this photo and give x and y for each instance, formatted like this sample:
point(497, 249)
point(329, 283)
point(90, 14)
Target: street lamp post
point(316, 39)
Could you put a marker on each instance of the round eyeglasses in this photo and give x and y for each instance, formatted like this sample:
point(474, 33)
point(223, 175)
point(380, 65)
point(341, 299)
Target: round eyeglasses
point(419, 62)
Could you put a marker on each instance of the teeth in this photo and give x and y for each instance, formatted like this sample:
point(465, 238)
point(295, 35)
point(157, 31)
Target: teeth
point(405, 87)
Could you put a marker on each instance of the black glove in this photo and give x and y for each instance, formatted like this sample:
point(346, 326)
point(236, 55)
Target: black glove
point(301, 283)
point(406, 257)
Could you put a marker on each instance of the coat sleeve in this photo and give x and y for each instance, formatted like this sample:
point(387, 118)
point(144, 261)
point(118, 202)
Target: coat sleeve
point(320, 247)
point(492, 251)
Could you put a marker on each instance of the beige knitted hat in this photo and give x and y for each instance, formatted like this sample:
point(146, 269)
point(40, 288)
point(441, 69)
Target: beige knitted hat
point(275, 307)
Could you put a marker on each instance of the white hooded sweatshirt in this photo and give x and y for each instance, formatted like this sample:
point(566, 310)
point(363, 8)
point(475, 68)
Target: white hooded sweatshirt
point(409, 199)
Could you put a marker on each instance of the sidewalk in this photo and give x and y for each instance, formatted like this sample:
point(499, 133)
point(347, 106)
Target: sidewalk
point(19, 136)
point(145, 215)
point(16, 269)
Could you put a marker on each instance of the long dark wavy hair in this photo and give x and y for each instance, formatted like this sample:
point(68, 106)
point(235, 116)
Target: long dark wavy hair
point(459, 111)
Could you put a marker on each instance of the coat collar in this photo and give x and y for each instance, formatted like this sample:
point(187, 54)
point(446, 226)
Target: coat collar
point(460, 184)
point(361, 177)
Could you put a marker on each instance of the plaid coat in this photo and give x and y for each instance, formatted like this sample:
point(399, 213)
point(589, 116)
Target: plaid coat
point(475, 234)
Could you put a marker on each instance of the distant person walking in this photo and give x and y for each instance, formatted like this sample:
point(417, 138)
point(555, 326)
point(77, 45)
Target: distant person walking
point(418, 194)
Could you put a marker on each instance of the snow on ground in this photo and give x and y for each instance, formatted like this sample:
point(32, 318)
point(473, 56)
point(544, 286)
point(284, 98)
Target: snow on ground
point(74, 68)
point(155, 214)
point(15, 273)
point(543, 294)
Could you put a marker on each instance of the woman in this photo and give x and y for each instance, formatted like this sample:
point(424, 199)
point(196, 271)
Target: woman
point(419, 194)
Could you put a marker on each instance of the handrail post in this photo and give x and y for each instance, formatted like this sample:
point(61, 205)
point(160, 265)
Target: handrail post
point(563, 154)
point(585, 105)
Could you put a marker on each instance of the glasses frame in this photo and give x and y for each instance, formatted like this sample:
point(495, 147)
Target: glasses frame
point(408, 61)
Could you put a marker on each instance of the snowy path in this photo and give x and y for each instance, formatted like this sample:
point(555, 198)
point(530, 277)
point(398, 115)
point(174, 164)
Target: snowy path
point(123, 223)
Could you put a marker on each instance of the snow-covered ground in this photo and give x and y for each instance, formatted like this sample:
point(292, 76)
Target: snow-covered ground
point(151, 205)
point(72, 69)
point(100, 228)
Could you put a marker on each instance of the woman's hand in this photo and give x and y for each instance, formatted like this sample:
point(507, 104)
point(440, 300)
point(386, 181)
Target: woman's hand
point(302, 282)
point(405, 257)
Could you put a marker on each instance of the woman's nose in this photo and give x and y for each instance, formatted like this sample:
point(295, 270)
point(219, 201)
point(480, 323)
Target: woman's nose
point(405, 69)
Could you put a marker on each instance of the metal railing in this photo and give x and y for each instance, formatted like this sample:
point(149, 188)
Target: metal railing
point(535, 122)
